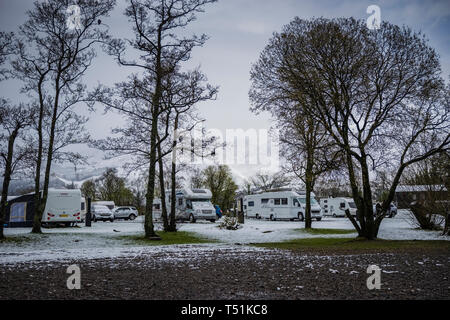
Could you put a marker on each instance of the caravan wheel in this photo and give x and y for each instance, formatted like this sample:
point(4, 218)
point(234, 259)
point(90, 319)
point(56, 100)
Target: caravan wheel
point(272, 218)
point(301, 217)
point(191, 218)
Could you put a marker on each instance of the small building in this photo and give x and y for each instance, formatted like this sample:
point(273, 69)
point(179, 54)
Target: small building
point(406, 194)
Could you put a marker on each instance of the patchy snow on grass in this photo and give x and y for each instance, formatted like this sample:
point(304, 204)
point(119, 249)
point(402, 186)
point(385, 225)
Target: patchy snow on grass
point(258, 231)
point(105, 239)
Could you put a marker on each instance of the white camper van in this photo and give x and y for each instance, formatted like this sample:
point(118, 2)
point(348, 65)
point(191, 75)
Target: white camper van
point(193, 205)
point(336, 206)
point(110, 204)
point(157, 209)
point(63, 206)
point(282, 204)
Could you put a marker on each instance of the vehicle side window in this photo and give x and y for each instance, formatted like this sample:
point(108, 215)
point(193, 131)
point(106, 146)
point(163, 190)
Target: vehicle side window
point(251, 203)
point(325, 206)
point(180, 201)
point(284, 201)
point(295, 202)
point(157, 206)
point(277, 201)
point(342, 205)
point(82, 206)
point(264, 200)
point(325, 201)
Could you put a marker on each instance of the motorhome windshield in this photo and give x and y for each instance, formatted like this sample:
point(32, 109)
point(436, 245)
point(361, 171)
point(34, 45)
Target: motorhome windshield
point(352, 205)
point(303, 200)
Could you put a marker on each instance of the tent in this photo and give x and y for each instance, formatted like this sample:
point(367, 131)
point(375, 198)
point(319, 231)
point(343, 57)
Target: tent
point(20, 212)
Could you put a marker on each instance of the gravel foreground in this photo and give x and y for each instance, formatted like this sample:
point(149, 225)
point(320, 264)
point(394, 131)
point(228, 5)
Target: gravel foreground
point(234, 274)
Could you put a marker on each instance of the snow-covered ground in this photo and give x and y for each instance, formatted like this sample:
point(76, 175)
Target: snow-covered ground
point(104, 239)
point(253, 231)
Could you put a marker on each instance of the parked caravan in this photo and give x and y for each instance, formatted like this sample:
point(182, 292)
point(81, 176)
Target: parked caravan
point(157, 209)
point(336, 206)
point(63, 206)
point(252, 206)
point(193, 205)
point(110, 204)
point(190, 204)
point(283, 204)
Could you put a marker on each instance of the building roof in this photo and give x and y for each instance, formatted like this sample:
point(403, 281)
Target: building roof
point(420, 188)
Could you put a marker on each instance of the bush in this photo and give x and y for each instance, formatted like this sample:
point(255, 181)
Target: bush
point(229, 222)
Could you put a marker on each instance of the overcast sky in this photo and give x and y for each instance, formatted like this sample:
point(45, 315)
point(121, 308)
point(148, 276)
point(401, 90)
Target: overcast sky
point(239, 30)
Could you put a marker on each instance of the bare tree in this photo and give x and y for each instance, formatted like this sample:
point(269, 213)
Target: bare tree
point(379, 94)
point(267, 181)
point(53, 57)
point(7, 48)
point(13, 120)
point(308, 149)
point(155, 24)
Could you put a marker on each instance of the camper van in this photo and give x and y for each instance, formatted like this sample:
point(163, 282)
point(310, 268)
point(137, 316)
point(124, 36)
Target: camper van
point(192, 205)
point(157, 209)
point(63, 206)
point(110, 204)
point(336, 206)
point(282, 204)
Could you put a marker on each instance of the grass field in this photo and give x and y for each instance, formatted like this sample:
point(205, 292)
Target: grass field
point(315, 231)
point(340, 245)
point(167, 238)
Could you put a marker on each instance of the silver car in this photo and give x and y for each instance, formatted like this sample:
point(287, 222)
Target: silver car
point(102, 213)
point(127, 213)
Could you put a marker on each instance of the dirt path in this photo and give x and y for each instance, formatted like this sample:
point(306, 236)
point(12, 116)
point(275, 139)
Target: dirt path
point(271, 274)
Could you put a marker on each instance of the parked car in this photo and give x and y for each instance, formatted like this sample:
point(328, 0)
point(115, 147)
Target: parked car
point(126, 213)
point(391, 212)
point(102, 213)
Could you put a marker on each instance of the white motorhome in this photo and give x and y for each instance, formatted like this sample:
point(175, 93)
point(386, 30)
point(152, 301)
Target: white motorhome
point(282, 204)
point(110, 204)
point(157, 209)
point(336, 206)
point(63, 206)
point(190, 204)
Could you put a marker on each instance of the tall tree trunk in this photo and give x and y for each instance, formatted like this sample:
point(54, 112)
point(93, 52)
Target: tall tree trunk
point(43, 201)
point(355, 194)
point(163, 190)
point(6, 180)
point(309, 187)
point(148, 225)
point(37, 179)
point(172, 223)
point(369, 228)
